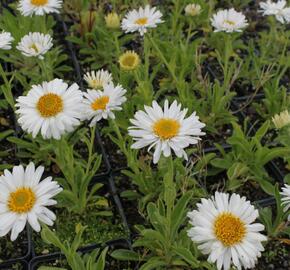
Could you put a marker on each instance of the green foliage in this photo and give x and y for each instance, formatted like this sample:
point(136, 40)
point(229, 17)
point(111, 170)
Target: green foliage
point(31, 70)
point(182, 59)
point(247, 159)
point(276, 226)
point(76, 261)
point(166, 242)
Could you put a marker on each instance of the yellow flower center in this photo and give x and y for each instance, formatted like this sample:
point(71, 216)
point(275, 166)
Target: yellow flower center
point(142, 21)
point(39, 2)
point(96, 83)
point(100, 103)
point(22, 200)
point(166, 128)
point(229, 229)
point(230, 22)
point(34, 47)
point(50, 105)
point(129, 60)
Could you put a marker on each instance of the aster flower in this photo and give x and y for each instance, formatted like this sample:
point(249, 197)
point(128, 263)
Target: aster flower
point(97, 79)
point(129, 60)
point(165, 129)
point(229, 21)
point(35, 44)
point(286, 198)
point(192, 9)
point(24, 198)
point(224, 229)
point(278, 9)
point(281, 120)
point(50, 108)
point(39, 7)
point(142, 19)
point(101, 104)
point(5, 40)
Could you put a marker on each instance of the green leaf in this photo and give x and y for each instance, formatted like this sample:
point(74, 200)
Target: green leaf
point(237, 170)
point(101, 263)
point(275, 153)
point(179, 213)
point(220, 163)
point(186, 255)
point(51, 238)
point(262, 131)
point(153, 264)
point(5, 133)
point(125, 255)
point(267, 187)
point(22, 143)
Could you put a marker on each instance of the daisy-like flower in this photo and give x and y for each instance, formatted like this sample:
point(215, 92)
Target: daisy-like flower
point(142, 19)
point(101, 104)
point(229, 20)
point(5, 40)
point(97, 79)
point(286, 198)
point(278, 9)
point(281, 120)
point(24, 198)
point(39, 7)
point(35, 44)
point(50, 108)
point(192, 10)
point(129, 60)
point(165, 129)
point(224, 228)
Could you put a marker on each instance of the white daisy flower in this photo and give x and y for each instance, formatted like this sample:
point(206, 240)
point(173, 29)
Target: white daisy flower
point(192, 9)
point(35, 44)
point(39, 7)
point(24, 198)
point(224, 228)
point(286, 198)
point(278, 9)
point(5, 40)
point(50, 108)
point(228, 20)
point(97, 79)
point(101, 104)
point(281, 119)
point(140, 20)
point(165, 129)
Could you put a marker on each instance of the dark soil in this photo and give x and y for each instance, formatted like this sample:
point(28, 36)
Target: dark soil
point(275, 257)
point(13, 250)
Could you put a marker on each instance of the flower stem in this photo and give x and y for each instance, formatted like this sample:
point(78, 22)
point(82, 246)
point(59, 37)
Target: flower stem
point(163, 58)
point(91, 148)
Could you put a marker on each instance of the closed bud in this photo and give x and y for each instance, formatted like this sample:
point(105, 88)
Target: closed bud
point(112, 20)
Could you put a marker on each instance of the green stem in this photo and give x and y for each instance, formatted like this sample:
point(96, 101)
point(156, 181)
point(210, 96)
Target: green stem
point(175, 16)
point(120, 137)
point(227, 55)
point(90, 149)
point(189, 31)
point(163, 58)
point(44, 69)
point(116, 42)
point(146, 50)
